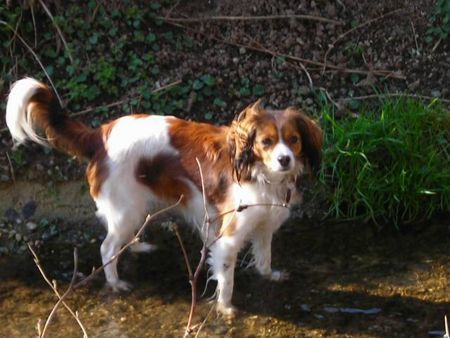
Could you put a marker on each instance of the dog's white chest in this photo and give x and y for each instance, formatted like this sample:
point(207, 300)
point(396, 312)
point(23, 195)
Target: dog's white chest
point(262, 203)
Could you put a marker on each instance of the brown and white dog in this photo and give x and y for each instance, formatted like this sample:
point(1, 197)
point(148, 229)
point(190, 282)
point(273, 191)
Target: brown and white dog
point(141, 163)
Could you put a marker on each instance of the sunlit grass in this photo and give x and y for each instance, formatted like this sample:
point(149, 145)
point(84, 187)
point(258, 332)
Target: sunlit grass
point(390, 166)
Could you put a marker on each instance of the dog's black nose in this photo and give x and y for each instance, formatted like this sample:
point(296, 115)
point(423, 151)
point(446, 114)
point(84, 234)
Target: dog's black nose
point(284, 160)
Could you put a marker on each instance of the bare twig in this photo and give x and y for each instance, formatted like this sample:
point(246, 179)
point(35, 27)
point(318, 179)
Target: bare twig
point(415, 38)
point(118, 103)
point(57, 29)
point(378, 96)
point(37, 59)
point(73, 286)
point(61, 298)
point(242, 207)
point(114, 104)
point(183, 249)
point(34, 26)
point(53, 287)
point(377, 72)
point(207, 219)
point(11, 169)
point(252, 18)
point(447, 334)
point(193, 277)
point(204, 320)
point(364, 24)
point(135, 239)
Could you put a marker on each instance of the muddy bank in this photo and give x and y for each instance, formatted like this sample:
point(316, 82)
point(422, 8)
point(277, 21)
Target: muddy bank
point(345, 282)
point(64, 199)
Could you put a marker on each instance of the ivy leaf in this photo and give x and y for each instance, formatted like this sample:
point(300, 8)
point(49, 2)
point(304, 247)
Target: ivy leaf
point(258, 90)
point(208, 80)
point(197, 84)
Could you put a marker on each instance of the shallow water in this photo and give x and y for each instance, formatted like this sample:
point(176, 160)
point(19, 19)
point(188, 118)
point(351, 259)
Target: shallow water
point(332, 267)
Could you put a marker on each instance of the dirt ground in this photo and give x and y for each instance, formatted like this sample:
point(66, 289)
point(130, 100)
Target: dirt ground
point(368, 48)
point(396, 283)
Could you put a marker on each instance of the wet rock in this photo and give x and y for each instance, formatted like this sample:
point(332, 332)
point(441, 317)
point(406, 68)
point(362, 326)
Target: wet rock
point(304, 90)
point(12, 215)
point(330, 309)
point(436, 93)
point(29, 209)
point(305, 308)
point(31, 226)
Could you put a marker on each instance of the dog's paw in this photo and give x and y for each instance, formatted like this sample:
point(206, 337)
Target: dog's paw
point(228, 311)
point(142, 247)
point(120, 286)
point(279, 276)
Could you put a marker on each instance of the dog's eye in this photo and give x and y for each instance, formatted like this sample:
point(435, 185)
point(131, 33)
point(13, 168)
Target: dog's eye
point(293, 139)
point(267, 141)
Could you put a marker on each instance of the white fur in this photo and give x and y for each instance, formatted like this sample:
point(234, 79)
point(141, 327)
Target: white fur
point(123, 203)
point(281, 150)
point(18, 117)
point(262, 215)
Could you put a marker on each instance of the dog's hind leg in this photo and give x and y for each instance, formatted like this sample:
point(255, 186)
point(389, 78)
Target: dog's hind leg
point(122, 220)
point(109, 251)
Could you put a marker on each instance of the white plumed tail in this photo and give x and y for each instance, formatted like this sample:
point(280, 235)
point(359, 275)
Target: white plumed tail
point(18, 113)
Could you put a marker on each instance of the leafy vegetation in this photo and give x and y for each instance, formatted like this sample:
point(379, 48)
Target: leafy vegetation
point(390, 166)
point(111, 55)
point(439, 21)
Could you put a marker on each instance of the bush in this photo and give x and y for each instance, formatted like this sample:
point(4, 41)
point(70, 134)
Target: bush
point(390, 166)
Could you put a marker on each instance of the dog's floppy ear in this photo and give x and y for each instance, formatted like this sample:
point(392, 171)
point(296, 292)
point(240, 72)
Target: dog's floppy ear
point(312, 139)
point(241, 139)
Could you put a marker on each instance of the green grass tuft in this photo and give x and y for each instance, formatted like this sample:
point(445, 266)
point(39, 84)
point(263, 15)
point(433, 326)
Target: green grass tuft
point(391, 166)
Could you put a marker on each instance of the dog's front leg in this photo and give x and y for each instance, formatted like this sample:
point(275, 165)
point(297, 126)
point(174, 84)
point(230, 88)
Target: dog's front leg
point(261, 240)
point(223, 254)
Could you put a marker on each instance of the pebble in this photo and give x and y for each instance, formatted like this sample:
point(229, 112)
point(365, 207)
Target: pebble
point(4, 178)
point(309, 101)
point(305, 308)
point(31, 226)
point(29, 209)
point(436, 93)
point(12, 215)
point(304, 90)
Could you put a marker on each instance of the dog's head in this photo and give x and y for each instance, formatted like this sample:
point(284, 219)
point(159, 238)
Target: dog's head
point(274, 144)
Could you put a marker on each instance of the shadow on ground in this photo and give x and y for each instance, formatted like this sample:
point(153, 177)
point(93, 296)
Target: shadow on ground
point(335, 268)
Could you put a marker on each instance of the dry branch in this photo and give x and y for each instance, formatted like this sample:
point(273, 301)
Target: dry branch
point(36, 57)
point(54, 289)
point(264, 50)
point(380, 96)
point(73, 286)
point(135, 239)
point(364, 24)
point(118, 103)
point(57, 29)
point(251, 18)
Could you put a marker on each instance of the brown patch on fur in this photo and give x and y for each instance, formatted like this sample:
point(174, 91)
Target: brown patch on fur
point(97, 171)
point(311, 137)
point(208, 143)
point(241, 139)
point(165, 176)
point(228, 220)
point(70, 136)
point(64, 134)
